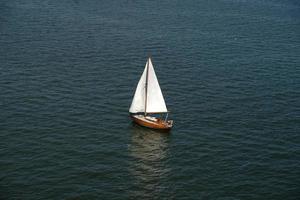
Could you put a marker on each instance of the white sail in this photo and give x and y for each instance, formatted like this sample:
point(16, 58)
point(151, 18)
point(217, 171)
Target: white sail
point(155, 100)
point(138, 102)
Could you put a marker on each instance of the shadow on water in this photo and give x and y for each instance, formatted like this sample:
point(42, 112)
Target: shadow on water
point(149, 151)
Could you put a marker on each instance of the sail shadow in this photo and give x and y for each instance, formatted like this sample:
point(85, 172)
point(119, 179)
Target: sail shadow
point(149, 152)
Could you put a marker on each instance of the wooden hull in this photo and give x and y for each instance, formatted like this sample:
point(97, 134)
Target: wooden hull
point(152, 122)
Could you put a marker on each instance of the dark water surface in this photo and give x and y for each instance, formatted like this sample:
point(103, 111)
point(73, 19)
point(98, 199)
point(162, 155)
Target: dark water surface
point(229, 71)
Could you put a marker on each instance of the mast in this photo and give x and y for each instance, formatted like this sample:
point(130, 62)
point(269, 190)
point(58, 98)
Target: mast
point(146, 87)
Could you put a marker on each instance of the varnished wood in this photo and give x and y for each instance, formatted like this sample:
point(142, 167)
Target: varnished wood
point(154, 123)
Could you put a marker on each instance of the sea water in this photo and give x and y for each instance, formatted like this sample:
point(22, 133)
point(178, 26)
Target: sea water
point(229, 71)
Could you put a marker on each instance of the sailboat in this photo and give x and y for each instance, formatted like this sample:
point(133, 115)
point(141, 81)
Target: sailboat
point(148, 105)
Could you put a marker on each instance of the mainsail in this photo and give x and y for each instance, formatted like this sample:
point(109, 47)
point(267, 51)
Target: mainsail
point(138, 102)
point(154, 101)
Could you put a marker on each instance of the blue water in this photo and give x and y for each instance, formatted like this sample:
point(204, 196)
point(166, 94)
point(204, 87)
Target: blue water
point(229, 71)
